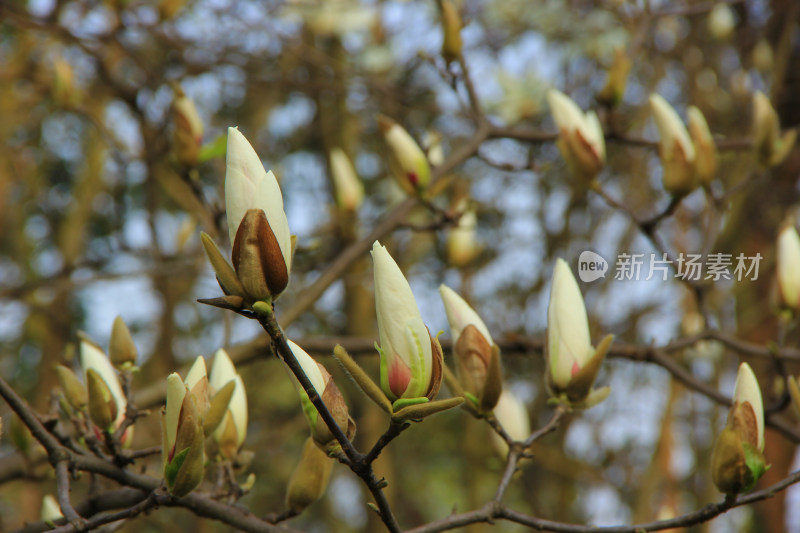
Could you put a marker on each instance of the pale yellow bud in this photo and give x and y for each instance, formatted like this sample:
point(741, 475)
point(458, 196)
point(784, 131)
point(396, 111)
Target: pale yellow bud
point(675, 148)
point(451, 27)
point(789, 267)
point(581, 139)
point(706, 150)
point(348, 188)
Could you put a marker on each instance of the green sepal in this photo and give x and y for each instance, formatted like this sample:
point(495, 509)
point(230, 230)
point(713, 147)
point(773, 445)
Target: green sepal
point(580, 385)
point(226, 275)
point(309, 410)
point(421, 410)
point(384, 373)
point(213, 149)
point(171, 470)
point(217, 407)
point(365, 383)
point(190, 474)
point(400, 403)
point(472, 398)
point(755, 462)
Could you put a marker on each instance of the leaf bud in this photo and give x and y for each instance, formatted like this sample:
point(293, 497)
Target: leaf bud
point(74, 391)
point(121, 349)
point(310, 478)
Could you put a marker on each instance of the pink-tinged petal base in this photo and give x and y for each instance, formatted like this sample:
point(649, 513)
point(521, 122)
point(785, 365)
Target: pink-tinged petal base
point(413, 178)
point(575, 368)
point(399, 377)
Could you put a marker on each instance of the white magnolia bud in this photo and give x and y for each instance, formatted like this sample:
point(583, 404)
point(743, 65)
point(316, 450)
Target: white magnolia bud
point(581, 139)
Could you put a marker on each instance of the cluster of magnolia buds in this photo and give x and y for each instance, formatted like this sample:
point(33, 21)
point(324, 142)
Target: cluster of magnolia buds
point(689, 157)
point(197, 407)
point(100, 394)
point(737, 460)
point(259, 231)
point(771, 147)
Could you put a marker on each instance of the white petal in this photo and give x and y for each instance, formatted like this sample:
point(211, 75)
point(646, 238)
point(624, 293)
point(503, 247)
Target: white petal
point(222, 370)
point(51, 511)
point(238, 409)
point(568, 337)
point(348, 187)
point(407, 151)
point(747, 390)
point(93, 357)
point(269, 198)
point(697, 119)
point(513, 416)
point(461, 315)
point(176, 390)
point(244, 171)
point(789, 266)
point(593, 132)
point(670, 127)
point(196, 373)
point(566, 113)
point(394, 302)
point(310, 367)
point(418, 348)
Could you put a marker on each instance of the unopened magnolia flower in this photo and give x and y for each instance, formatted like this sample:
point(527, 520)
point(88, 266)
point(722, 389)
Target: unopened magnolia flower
point(232, 430)
point(789, 267)
point(675, 148)
point(74, 391)
point(121, 349)
point(257, 225)
point(617, 79)
point(461, 245)
point(451, 28)
point(187, 137)
point(310, 478)
point(580, 139)
point(411, 360)
point(771, 147)
point(737, 460)
point(572, 361)
point(513, 416)
point(705, 148)
point(347, 186)
point(477, 356)
point(407, 161)
point(107, 403)
point(182, 437)
point(327, 390)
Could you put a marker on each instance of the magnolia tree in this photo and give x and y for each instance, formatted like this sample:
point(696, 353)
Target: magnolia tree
point(441, 367)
